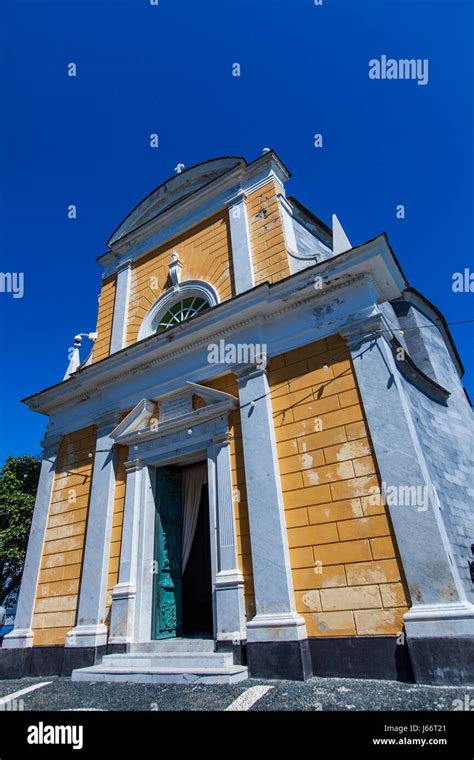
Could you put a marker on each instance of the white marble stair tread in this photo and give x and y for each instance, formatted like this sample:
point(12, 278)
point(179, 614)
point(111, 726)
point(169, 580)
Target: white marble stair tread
point(169, 659)
point(138, 674)
point(172, 645)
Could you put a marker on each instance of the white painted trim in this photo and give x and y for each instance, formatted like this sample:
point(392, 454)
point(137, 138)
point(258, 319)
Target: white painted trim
point(288, 229)
point(276, 617)
point(90, 629)
point(21, 692)
point(120, 316)
point(434, 498)
point(191, 420)
point(240, 244)
point(21, 636)
point(132, 597)
point(135, 420)
point(282, 311)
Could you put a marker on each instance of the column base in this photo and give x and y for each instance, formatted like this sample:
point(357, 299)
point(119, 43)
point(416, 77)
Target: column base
point(278, 647)
point(18, 638)
point(286, 626)
point(87, 636)
point(122, 613)
point(440, 640)
point(230, 610)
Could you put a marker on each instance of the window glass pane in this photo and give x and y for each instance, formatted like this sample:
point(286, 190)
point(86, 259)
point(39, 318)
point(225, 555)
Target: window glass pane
point(181, 311)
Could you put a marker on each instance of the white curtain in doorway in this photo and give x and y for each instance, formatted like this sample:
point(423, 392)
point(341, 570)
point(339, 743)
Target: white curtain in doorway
point(193, 481)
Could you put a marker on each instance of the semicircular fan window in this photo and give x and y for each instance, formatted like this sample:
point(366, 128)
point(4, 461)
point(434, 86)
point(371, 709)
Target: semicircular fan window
point(181, 311)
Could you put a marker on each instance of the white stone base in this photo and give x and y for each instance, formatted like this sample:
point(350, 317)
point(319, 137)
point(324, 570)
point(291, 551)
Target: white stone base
point(440, 620)
point(87, 636)
point(18, 638)
point(278, 627)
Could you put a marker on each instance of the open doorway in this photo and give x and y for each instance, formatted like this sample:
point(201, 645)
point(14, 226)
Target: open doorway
point(197, 577)
point(182, 602)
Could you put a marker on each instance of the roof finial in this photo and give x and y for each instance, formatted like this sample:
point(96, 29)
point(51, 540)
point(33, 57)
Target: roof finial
point(179, 168)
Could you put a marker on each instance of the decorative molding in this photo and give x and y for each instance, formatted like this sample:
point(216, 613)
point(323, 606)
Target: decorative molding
point(370, 263)
point(174, 268)
point(222, 439)
point(135, 420)
point(132, 465)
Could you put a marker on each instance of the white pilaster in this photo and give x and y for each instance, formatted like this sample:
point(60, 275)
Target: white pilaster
point(288, 229)
point(90, 629)
point(229, 581)
point(124, 593)
point(22, 634)
point(276, 618)
point(119, 322)
point(240, 240)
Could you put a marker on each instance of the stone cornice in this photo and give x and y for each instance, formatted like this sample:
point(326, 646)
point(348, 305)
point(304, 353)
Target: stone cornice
point(371, 262)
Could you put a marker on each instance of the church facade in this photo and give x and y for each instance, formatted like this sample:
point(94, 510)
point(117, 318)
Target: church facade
point(264, 467)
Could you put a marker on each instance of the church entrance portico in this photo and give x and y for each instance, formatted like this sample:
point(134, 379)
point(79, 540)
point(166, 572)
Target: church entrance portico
point(178, 512)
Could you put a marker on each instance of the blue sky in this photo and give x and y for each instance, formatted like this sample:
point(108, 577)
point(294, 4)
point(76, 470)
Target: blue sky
point(167, 69)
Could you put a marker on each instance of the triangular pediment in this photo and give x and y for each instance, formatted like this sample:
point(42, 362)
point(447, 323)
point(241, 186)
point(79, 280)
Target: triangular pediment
point(191, 405)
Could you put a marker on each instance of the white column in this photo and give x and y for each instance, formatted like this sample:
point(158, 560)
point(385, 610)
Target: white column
point(119, 322)
point(123, 595)
point(90, 629)
point(276, 618)
point(146, 565)
point(22, 634)
point(229, 581)
point(240, 240)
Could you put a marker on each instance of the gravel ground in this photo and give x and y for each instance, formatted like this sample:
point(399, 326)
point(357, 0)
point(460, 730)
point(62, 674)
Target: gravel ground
point(325, 694)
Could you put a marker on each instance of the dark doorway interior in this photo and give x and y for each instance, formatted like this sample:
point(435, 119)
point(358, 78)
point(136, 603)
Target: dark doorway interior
point(197, 578)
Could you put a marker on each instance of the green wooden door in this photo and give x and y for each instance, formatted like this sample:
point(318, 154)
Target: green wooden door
point(167, 608)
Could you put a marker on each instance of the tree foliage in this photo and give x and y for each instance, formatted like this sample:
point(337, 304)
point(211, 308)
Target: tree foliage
point(18, 483)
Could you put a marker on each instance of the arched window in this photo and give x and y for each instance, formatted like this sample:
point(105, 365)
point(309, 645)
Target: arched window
point(177, 305)
point(182, 310)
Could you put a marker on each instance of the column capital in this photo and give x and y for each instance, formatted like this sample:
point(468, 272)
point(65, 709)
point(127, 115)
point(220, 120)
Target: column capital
point(369, 326)
point(132, 465)
point(248, 371)
point(238, 197)
point(50, 445)
point(108, 420)
point(126, 264)
point(221, 439)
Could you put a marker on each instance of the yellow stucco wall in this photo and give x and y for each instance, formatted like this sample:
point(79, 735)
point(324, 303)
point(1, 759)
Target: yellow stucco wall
point(205, 253)
point(104, 319)
point(61, 564)
point(347, 576)
point(267, 240)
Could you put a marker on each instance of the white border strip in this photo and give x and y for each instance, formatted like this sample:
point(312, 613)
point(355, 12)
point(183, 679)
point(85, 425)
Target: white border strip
point(16, 694)
point(247, 699)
